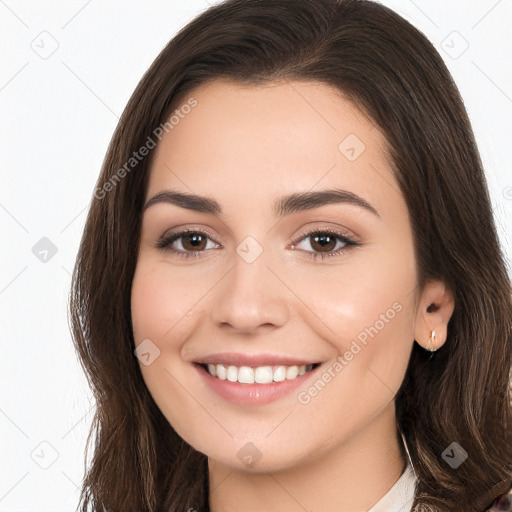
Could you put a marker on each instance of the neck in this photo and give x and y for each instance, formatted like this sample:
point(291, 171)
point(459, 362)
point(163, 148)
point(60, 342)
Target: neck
point(353, 476)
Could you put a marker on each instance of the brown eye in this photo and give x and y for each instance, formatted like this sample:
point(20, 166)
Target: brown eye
point(192, 241)
point(186, 243)
point(324, 242)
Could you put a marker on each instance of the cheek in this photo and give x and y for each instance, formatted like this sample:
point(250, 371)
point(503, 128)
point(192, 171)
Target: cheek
point(162, 300)
point(367, 317)
point(365, 311)
point(158, 310)
point(145, 304)
point(159, 307)
point(369, 296)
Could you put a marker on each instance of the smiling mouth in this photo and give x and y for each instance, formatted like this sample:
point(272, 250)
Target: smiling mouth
point(259, 374)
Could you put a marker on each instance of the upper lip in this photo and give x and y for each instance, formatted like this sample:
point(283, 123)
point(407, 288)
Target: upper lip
point(239, 359)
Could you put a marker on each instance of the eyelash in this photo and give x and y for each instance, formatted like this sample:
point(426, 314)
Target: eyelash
point(165, 242)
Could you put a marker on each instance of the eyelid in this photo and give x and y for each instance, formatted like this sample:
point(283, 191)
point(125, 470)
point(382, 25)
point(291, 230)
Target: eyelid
point(346, 236)
point(348, 241)
point(181, 231)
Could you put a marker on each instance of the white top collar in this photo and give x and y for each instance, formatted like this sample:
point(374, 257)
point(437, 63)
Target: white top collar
point(401, 496)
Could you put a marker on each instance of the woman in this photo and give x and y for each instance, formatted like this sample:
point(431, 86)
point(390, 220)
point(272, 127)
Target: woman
point(290, 293)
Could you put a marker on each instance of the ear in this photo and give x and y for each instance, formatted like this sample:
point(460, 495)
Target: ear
point(434, 311)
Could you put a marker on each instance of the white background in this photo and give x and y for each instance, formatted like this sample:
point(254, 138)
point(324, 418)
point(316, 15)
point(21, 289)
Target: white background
point(58, 114)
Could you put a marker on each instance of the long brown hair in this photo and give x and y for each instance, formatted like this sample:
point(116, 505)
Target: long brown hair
point(394, 75)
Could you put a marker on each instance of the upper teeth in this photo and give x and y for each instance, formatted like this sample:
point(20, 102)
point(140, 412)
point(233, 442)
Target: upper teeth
point(260, 374)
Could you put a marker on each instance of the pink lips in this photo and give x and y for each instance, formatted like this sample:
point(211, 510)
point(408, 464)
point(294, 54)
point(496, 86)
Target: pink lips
point(252, 394)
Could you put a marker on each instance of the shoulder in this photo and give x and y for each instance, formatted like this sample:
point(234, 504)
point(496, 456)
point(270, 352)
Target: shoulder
point(502, 504)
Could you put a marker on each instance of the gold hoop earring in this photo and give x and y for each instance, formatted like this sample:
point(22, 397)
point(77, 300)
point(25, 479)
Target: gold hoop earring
point(430, 344)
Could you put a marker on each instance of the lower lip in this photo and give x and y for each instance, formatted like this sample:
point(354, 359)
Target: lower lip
point(252, 394)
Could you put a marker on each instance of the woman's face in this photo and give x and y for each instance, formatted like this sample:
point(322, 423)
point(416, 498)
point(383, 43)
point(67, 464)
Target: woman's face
point(275, 275)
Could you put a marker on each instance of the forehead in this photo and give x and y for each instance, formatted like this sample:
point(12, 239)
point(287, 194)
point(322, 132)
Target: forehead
point(277, 137)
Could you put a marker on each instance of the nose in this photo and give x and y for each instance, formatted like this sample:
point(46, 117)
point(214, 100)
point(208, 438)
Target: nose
point(250, 298)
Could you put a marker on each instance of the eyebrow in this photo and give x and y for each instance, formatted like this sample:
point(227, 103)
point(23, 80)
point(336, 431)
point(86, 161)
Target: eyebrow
point(285, 205)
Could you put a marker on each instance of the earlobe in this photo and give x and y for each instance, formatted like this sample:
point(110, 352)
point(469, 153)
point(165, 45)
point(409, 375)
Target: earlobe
point(435, 309)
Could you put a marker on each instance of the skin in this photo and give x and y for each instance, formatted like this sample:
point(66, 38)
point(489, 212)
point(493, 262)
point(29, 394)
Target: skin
point(245, 146)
